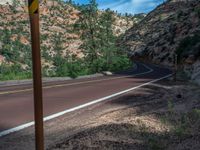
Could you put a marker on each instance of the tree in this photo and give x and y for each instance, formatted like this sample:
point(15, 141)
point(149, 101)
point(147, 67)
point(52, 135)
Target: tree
point(90, 30)
point(70, 2)
point(15, 4)
point(58, 59)
point(99, 43)
point(107, 37)
point(127, 16)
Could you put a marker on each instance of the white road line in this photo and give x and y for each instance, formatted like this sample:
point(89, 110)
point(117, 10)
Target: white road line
point(78, 83)
point(6, 132)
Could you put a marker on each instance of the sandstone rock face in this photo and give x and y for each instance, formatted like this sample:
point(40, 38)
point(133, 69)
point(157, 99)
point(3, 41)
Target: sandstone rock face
point(2, 59)
point(4, 2)
point(10, 2)
point(57, 21)
point(157, 37)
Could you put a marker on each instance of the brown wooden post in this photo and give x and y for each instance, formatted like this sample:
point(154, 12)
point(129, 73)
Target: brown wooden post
point(37, 77)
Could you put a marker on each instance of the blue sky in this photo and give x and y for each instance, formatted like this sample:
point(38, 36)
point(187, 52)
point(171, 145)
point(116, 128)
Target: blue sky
point(129, 6)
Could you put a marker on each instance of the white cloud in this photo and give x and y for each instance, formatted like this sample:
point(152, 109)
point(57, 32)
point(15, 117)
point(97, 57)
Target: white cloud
point(132, 6)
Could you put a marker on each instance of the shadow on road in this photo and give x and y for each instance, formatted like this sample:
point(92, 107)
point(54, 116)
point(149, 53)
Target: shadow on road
point(158, 116)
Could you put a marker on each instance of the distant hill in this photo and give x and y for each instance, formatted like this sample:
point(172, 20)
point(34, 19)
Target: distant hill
point(172, 28)
point(57, 20)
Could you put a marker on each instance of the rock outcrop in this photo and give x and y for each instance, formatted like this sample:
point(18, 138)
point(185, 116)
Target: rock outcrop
point(172, 28)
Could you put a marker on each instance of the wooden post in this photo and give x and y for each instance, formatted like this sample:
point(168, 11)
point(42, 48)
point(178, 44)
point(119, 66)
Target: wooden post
point(37, 78)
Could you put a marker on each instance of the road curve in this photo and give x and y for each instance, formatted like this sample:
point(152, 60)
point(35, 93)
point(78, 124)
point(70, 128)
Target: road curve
point(16, 102)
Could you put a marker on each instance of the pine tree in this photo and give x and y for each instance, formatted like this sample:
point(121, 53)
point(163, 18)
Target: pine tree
point(99, 42)
point(15, 4)
point(89, 26)
point(69, 2)
point(127, 19)
point(107, 37)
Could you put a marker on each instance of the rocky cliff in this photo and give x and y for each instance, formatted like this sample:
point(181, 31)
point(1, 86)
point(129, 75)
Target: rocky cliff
point(172, 28)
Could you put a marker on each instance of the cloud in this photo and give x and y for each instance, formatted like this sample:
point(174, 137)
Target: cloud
point(129, 6)
point(132, 6)
point(111, 4)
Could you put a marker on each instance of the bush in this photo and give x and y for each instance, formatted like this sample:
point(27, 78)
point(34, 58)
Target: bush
point(120, 63)
point(197, 10)
point(13, 72)
point(72, 69)
point(79, 67)
point(188, 46)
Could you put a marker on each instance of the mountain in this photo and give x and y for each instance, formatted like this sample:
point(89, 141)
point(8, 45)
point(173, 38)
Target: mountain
point(15, 31)
point(172, 28)
point(57, 20)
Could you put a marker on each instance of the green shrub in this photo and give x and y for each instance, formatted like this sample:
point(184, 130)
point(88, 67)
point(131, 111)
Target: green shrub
point(187, 46)
point(120, 63)
point(13, 72)
point(197, 10)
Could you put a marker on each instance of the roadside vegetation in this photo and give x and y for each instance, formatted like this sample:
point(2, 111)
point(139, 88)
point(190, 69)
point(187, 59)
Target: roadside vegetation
point(17, 54)
point(98, 47)
point(13, 72)
point(189, 46)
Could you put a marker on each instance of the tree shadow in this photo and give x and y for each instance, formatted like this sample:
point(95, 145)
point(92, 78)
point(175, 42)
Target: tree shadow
point(155, 122)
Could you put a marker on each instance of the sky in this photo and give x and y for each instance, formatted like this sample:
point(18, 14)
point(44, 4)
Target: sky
point(126, 6)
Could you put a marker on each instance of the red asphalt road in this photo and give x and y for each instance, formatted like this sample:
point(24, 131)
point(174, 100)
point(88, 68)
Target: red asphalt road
point(17, 108)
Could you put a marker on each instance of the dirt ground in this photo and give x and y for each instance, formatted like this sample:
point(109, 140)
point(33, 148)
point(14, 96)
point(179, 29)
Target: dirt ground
point(156, 117)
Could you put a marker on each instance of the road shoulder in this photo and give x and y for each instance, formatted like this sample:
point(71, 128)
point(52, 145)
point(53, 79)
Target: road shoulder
point(117, 122)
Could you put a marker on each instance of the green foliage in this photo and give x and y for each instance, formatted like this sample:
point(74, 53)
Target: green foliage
point(14, 51)
point(189, 45)
point(154, 144)
point(70, 2)
point(72, 69)
point(197, 10)
point(188, 123)
point(99, 42)
point(170, 106)
point(99, 47)
point(15, 4)
point(119, 63)
point(13, 72)
point(88, 23)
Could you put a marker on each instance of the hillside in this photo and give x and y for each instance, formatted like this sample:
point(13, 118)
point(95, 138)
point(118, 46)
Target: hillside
point(172, 28)
point(107, 80)
point(57, 20)
point(15, 39)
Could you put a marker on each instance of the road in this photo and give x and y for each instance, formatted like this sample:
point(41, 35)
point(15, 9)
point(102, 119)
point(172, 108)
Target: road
point(16, 102)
